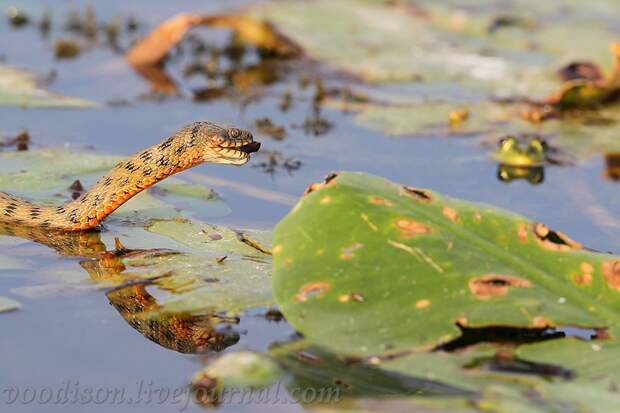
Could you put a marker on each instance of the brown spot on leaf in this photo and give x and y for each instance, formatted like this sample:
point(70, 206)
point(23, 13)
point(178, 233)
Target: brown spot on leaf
point(522, 232)
point(477, 217)
point(277, 249)
point(312, 290)
point(347, 253)
point(495, 285)
point(377, 200)
point(554, 240)
point(585, 277)
point(353, 296)
point(410, 228)
point(540, 321)
point(611, 272)
point(420, 195)
point(451, 214)
point(329, 179)
point(422, 303)
point(326, 200)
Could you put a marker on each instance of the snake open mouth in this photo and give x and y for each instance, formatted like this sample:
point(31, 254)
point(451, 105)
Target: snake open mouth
point(249, 147)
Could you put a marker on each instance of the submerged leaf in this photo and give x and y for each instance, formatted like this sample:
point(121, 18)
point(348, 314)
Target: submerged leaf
point(8, 304)
point(19, 88)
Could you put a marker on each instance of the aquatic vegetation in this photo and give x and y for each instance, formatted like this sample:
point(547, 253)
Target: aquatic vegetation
point(396, 276)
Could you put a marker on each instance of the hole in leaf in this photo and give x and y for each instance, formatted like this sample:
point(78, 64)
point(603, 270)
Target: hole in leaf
point(418, 194)
point(318, 185)
point(554, 240)
point(495, 285)
point(312, 290)
point(518, 335)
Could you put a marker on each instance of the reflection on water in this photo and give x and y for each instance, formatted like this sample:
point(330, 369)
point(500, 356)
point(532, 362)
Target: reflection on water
point(179, 331)
point(612, 166)
point(533, 175)
point(182, 332)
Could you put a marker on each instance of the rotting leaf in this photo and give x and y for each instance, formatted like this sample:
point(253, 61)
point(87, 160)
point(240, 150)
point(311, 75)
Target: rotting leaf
point(153, 49)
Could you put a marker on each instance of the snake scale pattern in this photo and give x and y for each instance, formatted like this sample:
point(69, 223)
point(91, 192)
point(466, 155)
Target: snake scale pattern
point(192, 145)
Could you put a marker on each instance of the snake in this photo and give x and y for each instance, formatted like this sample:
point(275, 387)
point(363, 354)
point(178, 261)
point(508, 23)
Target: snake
point(194, 144)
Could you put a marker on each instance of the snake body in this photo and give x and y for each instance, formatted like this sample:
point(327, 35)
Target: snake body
point(192, 145)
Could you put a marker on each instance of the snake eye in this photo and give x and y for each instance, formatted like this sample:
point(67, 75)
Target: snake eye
point(233, 132)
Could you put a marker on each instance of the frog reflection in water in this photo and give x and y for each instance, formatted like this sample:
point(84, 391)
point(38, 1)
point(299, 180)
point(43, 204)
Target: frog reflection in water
point(178, 331)
point(521, 158)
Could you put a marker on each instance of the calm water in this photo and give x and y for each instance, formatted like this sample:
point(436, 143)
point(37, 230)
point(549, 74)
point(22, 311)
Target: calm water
point(80, 337)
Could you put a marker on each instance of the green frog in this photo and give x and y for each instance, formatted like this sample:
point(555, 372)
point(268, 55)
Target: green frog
point(522, 157)
point(523, 152)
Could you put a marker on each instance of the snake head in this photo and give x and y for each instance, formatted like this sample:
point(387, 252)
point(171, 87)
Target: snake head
point(228, 145)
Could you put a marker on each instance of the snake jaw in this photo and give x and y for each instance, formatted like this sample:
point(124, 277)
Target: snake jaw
point(233, 146)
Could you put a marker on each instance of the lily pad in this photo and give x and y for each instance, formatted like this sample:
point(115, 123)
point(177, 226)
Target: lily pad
point(8, 304)
point(19, 88)
point(397, 278)
point(407, 264)
point(194, 266)
point(422, 60)
point(241, 369)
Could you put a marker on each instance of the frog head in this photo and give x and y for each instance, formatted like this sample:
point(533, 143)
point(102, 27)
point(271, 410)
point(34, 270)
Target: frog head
point(527, 152)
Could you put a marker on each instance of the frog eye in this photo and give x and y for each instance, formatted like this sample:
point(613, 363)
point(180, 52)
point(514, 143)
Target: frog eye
point(507, 143)
point(536, 146)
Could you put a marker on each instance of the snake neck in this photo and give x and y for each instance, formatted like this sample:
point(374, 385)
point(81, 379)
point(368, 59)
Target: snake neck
point(124, 181)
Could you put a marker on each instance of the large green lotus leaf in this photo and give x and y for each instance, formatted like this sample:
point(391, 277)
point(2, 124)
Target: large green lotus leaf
point(19, 88)
point(363, 266)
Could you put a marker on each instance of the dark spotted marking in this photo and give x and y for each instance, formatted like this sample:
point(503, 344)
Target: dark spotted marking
point(146, 155)
point(131, 167)
point(166, 144)
point(162, 161)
